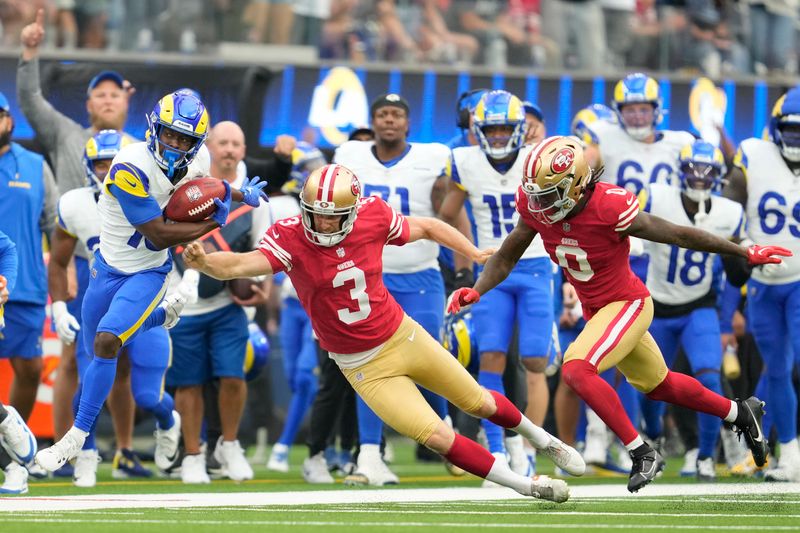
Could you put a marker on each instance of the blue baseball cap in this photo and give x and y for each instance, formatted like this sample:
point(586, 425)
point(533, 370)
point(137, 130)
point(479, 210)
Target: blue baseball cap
point(533, 109)
point(4, 104)
point(111, 75)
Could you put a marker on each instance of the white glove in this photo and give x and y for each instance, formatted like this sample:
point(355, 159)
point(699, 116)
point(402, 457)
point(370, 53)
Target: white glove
point(66, 324)
point(188, 285)
point(637, 247)
point(773, 269)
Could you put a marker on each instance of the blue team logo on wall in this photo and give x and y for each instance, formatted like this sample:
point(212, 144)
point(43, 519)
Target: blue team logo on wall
point(338, 105)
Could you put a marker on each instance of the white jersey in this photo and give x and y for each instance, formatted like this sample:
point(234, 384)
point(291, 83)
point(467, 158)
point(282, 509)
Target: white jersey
point(406, 186)
point(79, 217)
point(773, 205)
point(632, 164)
point(123, 248)
point(492, 196)
point(676, 275)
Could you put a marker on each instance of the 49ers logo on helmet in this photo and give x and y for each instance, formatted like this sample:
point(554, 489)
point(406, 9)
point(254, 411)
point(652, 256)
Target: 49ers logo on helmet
point(355, 187)
point(562, 160)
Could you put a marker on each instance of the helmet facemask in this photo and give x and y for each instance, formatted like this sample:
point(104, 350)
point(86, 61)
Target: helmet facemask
point(331, 191)
point(347, 219)
point(551, 204)
point(500, 146)
point(699, 179)
point(788, 137)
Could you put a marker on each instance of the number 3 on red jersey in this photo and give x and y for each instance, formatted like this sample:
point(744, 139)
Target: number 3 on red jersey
point(358, 294)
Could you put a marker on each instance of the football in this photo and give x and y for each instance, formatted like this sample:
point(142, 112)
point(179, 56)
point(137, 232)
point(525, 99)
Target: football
point(194, 200)
point(242, 287)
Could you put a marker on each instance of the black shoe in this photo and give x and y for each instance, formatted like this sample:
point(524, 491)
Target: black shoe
point(645, 467)
point(748, 423)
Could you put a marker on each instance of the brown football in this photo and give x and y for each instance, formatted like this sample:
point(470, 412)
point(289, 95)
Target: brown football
point(242, 287)
point(194, 200)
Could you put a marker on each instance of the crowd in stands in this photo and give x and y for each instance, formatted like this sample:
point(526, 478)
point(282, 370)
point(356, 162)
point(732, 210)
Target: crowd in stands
point(713, 37)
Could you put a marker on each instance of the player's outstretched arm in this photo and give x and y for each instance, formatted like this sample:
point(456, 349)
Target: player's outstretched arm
point(656, 229)
point(62, 247)
point(446, 235)
point(226, 265)
point(500, 265)
point(163, 235)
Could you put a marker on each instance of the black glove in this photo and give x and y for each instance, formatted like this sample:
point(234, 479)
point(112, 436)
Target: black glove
point(464, 278)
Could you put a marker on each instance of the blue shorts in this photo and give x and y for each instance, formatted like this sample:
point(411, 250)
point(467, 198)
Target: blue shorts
point(525, 297)
point(421, 295)
point(74, 307)
point(22, 336)
point(698, 332)
point(119, 303)
point(208, 346)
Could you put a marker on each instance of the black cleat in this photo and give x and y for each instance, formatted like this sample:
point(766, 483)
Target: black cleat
point(645, 467)
point(748, 423)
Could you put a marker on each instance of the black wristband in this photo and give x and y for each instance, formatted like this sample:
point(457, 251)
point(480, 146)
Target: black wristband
point(464, 278)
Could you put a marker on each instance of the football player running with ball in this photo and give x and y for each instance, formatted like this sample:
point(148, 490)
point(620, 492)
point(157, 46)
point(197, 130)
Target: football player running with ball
point(586, 227)
point(332, 253)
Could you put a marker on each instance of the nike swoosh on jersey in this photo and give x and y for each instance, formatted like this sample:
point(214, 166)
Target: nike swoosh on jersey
point(630, 201)
point(411, 337)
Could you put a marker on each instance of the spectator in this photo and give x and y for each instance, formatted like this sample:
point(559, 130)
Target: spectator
point(645, 35)
point(309, 17)
point(711, 34)
point(270, 20)
point(772, 34)
point(439, 43)
point(578, 28)
point(617, 16)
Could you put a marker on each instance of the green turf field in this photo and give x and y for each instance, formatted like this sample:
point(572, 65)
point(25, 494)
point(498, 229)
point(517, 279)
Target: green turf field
point(283, 502)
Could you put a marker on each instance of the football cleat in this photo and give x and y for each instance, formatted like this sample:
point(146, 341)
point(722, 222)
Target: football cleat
point(167, 441)
point(751, 411)
point(127, 465)
point(565, 457)
point(706, 470)
point(547, 488)
point(85, 473)
point(54, 457)
point(231, 456)
point(193, 469)
point(689, 467)
point(371, 469)
point(279, 458)
point(644, 470)
point(16, 481)
point(65, 471)
point(16, 437)
point(315, 470)
point(173, 306)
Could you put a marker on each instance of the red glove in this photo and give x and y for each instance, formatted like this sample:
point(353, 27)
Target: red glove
point(763, 255)
point(462, 297)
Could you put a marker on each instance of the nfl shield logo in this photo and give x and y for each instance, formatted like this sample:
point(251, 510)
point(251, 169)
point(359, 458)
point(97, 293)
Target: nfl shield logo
point(566, 226)
point(340, 252)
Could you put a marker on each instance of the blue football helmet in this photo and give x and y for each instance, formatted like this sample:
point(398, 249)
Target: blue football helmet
point(586, 117)
point(499, 108)
point(634, 89)
point(701, 167)
point(458, 337)
point(305, 159)
point(784, 125)
point(104, 145)
point(465, 105)
point(256, 354)
point(183, 112)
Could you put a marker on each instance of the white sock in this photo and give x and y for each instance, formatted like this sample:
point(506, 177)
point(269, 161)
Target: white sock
point(78, 432)
point(635, 443)
point(501, 474)
point(538, 437)
point(733, 414)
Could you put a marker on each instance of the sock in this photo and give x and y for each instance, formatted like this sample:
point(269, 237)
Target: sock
point(783, 405)
point(708, 426)
point(686, 391)
point(97, 384)
point(508, 416)
point(653, 416)
point(156, 318)
point(582, 377)
point(471, 456)
point(304, 391)
point(501, 474)
point(163, 412)
point(89, 443)
point(494, 433)
point(370, 427)
point(635, 444)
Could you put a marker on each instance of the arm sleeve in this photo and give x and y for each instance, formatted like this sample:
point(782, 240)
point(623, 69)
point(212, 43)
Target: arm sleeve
point(728, 303)
point(42, 116)
point(8, 261)
point(130, 186)
point(47, 221)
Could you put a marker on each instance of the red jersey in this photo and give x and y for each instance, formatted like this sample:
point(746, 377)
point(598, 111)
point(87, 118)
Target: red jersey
point(590, 249)
point(341, 286)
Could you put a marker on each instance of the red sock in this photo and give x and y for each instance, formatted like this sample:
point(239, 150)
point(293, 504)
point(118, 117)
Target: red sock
point(507, 414)
point(582, 377)
point(686, 391)
point(470, 456)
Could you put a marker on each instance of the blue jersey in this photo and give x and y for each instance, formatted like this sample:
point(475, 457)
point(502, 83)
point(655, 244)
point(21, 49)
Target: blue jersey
point(8, 261)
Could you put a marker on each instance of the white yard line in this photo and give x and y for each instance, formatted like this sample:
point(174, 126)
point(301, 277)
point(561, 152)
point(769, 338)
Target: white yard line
point(361, 496)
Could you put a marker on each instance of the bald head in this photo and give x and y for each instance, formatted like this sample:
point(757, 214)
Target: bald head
point(226, 146)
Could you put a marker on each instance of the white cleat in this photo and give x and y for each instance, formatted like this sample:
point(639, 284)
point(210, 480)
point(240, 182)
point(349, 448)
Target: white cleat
point(16, 481)
point(54, 457)
point(547, 488)
point(279, 459)
point(193, 470)
point(371, 469)
point(689, 468)
point(85, 475)
point(173, 304)
point(315, 470)
point(16, 438)
point(231, 456)
point(167, 441)
point(565, 457)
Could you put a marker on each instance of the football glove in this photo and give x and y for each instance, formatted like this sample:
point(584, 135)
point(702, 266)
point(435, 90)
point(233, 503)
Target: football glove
point(67, 326)
point(253, 191)
point(763, 255)
point(220, 216)
point(461, 298)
